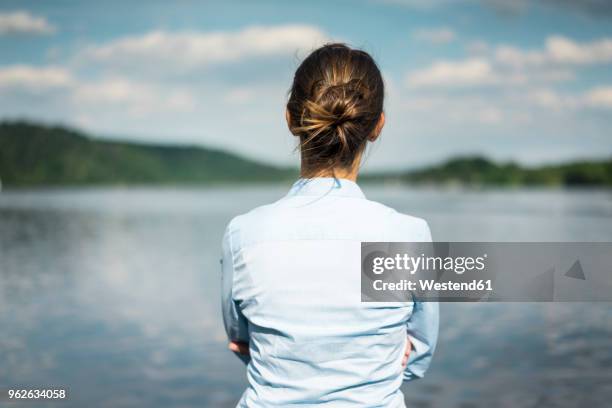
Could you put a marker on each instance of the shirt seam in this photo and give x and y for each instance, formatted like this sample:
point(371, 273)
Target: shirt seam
point(231, 249)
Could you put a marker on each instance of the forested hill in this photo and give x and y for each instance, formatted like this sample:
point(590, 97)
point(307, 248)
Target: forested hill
point(480, 171)
point(32, 154)
point(37, 155)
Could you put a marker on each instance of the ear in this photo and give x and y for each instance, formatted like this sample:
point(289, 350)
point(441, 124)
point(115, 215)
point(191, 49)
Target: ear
point(288, 117)
point(378, 128)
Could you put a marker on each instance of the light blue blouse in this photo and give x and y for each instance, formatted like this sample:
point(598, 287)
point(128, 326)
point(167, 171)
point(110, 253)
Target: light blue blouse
point(291, 288)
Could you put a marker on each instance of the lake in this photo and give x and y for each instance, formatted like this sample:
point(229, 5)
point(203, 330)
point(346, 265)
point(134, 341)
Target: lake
point(114, 293)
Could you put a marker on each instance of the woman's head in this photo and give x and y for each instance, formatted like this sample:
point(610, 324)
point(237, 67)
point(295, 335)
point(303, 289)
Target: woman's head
point(335, 106)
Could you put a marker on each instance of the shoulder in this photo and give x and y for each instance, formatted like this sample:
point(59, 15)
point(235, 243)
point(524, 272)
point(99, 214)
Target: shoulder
point(278, 219)
point(251, 218)
point(246, 222)
point(403, 227)
point(417, 228)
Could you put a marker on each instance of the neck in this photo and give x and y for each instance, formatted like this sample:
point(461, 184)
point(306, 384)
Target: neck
point(336, 172)
point(348, 173)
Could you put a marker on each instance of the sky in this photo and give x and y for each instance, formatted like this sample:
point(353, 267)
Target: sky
point(512, 80)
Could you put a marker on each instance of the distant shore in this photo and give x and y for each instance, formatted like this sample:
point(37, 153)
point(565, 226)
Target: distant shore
point(34, 155)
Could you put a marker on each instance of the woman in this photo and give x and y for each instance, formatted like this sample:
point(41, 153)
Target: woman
point(291, 269)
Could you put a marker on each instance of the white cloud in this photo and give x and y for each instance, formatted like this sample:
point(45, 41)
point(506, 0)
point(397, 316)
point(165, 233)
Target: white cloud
point(564, 50)
point(550, 99)
point(470, 72)
point(188, 50)
point(440, 35)
point(455, 111)
point(137, 98)
point(132, 96)
point(22, 22)
point(110, 91)
point(515, 57)
point(600, 97)
point(509, 66)
point(558, 50)
point(34, 78)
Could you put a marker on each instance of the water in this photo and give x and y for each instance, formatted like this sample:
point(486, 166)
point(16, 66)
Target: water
point(114, 294)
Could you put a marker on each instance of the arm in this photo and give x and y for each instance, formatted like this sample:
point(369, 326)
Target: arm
point(236, 325)
point(423, 335)
point(422, 328)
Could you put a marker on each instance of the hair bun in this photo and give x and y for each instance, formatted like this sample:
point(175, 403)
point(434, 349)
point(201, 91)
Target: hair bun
point(335, 104)
point(332, 107)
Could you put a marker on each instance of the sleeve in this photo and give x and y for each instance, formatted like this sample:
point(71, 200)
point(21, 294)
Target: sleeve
point(422, 328)
point(236, 325)
point(423, 334)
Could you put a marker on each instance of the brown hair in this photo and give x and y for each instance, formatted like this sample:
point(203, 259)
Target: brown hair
point(334, 106)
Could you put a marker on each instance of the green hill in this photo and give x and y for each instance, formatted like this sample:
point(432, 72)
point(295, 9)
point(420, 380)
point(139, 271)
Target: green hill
point(480, 171)
point(39, 155)
point(36, 155)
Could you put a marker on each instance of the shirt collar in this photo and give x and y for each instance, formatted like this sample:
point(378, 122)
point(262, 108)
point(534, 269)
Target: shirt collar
point(319, 186)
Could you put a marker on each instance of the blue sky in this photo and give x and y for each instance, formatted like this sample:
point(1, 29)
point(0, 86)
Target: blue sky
point(512, 80)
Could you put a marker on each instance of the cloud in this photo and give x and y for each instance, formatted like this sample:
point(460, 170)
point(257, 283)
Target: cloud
point(22, 22)
point(506, 65)
point(134, 97)
point(558, 50)
point(107, 88)
point(34, 78)
point(600, 97)
point(551, 100)
point(474, 109)
point(597, 97)
point(564, 50)
point(60, 85)
point(440, 35)
point(470, 72)
point(191, 50)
